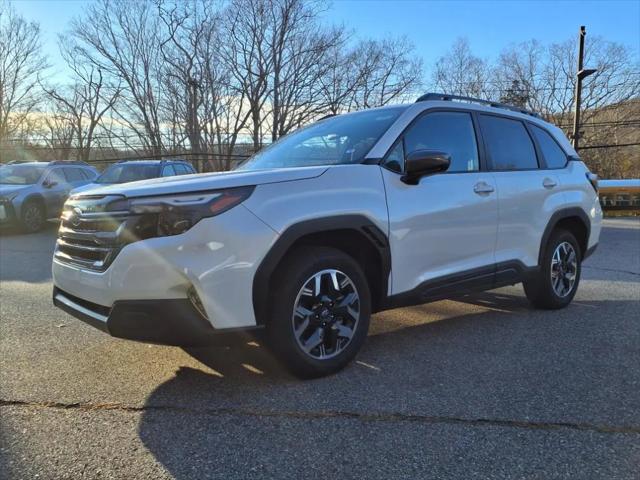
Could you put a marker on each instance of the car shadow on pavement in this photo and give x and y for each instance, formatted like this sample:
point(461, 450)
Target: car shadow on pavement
point(500, 361)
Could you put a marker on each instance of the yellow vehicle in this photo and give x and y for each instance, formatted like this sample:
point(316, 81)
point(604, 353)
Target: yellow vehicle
point(620, 195)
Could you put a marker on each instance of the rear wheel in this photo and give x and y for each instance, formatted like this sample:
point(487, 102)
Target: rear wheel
point(32, 217)
point(557, 282)
point(320, 312)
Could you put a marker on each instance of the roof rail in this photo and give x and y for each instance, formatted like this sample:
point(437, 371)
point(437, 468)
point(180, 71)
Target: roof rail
point(69, 162)
point(488, 103)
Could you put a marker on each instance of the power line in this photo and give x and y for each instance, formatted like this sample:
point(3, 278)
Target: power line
point(610, 146)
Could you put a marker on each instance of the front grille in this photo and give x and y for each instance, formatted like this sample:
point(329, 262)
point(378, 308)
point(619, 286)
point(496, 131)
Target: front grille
point(91, 234)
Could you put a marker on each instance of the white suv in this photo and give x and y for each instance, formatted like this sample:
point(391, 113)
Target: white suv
point(352, 215)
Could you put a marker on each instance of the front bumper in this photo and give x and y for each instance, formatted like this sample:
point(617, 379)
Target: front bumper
point(7, 213)
point(165, 322)
point(218, 257)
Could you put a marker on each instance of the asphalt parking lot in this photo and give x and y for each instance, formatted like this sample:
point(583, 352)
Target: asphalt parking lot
point(480, 387)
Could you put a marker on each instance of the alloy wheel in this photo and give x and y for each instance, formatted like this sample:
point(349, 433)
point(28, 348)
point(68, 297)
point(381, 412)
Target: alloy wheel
point(33, 218)
point(564, 269)
point(326, 314)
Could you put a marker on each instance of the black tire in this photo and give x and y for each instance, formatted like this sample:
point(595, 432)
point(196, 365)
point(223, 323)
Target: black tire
point(32, 218)
point(299, 267)
point(540, 288)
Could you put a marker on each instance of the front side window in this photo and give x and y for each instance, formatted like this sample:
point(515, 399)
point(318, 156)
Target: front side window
point(344, 139)
point(74, 174)
point(448, 132)
point(553, 154)
point(508, 143)
point(56, 177)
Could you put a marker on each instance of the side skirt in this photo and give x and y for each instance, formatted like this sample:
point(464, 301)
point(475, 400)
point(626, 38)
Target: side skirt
point(457, 284)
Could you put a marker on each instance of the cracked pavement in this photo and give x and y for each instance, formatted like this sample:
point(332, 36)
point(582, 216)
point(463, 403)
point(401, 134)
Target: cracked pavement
point(479, 387)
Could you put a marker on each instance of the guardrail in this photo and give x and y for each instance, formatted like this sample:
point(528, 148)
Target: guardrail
point(620, 195)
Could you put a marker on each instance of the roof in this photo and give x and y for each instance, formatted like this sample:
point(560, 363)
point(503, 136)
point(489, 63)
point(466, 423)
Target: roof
point(151, 161)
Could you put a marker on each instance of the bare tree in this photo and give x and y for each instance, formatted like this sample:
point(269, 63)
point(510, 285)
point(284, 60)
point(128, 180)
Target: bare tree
point(246, 54)
point(85, 102)
point(459, 72)
point(297, 48)
point(21, 61)
point(121, 39)
point(388, 72)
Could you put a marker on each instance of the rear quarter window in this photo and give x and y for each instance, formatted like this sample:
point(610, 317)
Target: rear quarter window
point(554, 156)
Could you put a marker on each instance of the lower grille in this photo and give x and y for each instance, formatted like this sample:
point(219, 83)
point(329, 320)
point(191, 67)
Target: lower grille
point(90, 234)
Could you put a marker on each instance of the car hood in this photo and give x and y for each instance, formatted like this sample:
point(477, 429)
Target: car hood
point(6, 190)
point(206, 181)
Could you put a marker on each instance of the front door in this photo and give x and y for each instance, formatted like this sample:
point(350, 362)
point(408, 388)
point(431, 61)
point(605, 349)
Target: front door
point(443, 228)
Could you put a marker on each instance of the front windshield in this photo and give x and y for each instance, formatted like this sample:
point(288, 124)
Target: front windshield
point(20, 174)
point(336, 140)
point(128, 173)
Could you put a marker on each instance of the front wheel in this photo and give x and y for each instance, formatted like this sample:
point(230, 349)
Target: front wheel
point(33, 217)
point(557, 282)
point(320, 311)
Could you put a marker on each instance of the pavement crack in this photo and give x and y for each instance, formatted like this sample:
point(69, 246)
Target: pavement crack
point(311, 415)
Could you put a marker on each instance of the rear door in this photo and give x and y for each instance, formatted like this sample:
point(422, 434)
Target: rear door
point(528, 194)
point(444, 228)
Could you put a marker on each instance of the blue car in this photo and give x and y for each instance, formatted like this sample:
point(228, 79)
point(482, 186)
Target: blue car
point(32, 192)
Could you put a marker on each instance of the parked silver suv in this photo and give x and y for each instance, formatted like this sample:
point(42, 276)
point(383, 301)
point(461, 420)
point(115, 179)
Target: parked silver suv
point(352, 215)
point(31, 192)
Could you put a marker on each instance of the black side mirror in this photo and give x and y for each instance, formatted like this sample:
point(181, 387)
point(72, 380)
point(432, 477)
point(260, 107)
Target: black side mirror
point(424, 162)
point(49, 183)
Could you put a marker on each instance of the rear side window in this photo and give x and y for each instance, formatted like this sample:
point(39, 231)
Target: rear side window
point(553, 154)
point(508, 143)
point(448, 132)
point(74, 174)
point(181, 169)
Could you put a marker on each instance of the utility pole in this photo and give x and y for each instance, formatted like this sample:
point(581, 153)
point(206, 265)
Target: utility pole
point(582, 74)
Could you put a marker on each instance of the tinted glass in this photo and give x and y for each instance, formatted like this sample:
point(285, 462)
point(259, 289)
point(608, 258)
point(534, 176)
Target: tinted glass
point(74, 174)
point(508, 143)
point(553, 154)
point(180, 169)
point(57, 176)
point(121, 173)
point(337, 140)
point(89, 174)
point(20, 174)
point(395, 158)
point(168, 171)
point(448, 132)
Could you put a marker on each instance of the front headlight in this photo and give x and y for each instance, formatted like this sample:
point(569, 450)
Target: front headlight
point(8, 197)
point(175, 214)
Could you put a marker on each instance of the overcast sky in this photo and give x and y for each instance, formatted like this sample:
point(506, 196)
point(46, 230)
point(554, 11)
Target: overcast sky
point(431, 25)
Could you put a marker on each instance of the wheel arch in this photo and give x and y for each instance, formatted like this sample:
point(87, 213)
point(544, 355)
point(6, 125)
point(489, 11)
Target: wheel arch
point(32, 197)
point(356, 235)
point(574, 220)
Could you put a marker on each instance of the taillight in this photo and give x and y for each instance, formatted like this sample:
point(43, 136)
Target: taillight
point(593, 180)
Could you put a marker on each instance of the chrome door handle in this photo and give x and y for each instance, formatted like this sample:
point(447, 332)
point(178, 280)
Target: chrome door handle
point(549, 183)
point(482, 188)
